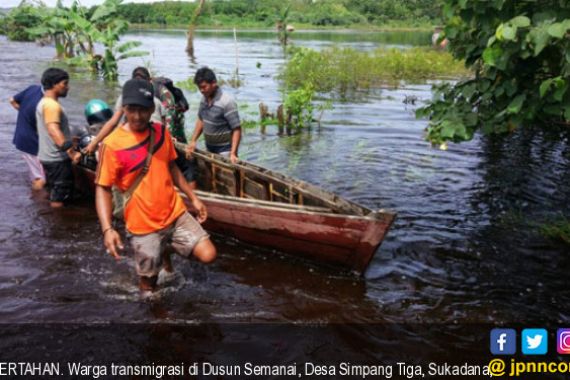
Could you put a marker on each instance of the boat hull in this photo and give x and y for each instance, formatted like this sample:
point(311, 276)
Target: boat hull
point(346, 241)
point(315, 233)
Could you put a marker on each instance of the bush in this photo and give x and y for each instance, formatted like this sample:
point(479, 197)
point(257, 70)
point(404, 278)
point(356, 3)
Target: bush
point(519, 53)
point(331, 14)
point(18, 21)
point(345, 70)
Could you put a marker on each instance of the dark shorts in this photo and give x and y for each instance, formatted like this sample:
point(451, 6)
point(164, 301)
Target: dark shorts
point(219, 149)
point(59, 180)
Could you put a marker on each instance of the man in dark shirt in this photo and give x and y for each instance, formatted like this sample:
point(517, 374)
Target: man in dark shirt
point(26, 133)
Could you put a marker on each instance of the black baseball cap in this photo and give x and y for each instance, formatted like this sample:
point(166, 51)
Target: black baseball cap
point(138, 92)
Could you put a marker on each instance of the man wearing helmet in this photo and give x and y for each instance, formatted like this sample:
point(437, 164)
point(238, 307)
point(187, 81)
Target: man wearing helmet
point(97, 113)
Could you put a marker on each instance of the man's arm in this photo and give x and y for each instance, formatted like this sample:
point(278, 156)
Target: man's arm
point(55, 133)
point(236, 138)
point(104, 206)
point(195, 136)
point(104, 132)
point(180, 182)
point(15, 104)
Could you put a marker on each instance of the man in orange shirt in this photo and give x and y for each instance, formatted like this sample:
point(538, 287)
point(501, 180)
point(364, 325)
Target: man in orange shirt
point(155, 215)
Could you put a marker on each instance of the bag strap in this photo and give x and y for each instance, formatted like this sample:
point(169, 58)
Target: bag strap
point(129, 192)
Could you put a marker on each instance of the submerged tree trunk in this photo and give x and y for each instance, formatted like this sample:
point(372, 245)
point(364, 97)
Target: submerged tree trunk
point(59, 46)
point(192, 27)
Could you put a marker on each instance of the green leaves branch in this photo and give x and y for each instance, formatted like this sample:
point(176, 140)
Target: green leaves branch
point(521, 60)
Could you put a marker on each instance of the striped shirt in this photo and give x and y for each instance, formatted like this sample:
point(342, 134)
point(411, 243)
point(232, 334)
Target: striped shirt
point(220, 118)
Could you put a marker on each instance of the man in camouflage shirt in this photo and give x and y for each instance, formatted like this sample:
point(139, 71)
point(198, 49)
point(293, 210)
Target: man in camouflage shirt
point(173, 117)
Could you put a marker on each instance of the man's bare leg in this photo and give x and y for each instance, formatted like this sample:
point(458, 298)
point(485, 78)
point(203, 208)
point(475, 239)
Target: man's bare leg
point(205, 251)
point(38, 184)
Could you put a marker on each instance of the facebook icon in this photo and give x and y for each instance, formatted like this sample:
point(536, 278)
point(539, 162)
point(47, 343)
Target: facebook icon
point(503, 341)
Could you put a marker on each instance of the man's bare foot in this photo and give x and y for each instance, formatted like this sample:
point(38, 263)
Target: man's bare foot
point(38, 184)
point(56, 204)
point(147, 283)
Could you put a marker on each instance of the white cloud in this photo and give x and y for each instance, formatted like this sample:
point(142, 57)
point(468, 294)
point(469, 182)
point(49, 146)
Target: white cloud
point(87, 3)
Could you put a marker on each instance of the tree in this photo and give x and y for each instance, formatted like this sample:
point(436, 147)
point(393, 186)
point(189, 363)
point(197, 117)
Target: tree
point(192, 28)
point(281, 25)
point(519, 52)
point(19, 19)
point(75, 33)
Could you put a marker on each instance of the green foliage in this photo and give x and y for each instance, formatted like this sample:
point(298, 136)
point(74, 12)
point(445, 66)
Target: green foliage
point(330, 14)
point(519, 53)
point(187, 84)
point(75, 31)
point(299, 105)
point(266, 13)
point(3, 29)
point(346, 70)
point(109, 34)
point(16, 23)
point(282, 21)
point(379, 11)
point(248, 124)
point(557, 230)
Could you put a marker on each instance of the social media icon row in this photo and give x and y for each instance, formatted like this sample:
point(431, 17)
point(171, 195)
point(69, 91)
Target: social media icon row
point(533, 341)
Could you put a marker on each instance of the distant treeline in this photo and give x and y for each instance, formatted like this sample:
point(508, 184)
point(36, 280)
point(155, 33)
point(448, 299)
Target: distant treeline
point(304, 12)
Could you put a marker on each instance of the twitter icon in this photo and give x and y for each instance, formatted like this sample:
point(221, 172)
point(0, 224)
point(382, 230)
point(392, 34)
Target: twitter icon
point(534, 341)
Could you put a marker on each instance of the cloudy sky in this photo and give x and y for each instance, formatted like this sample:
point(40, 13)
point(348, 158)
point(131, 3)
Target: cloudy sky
point(87, 3)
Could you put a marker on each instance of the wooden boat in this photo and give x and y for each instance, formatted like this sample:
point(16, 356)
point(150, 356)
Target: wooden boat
point(268, 209)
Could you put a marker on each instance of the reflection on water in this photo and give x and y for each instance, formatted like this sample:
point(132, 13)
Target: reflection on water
point(463, 249)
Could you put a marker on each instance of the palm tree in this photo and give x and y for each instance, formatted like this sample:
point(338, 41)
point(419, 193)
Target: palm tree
point(75, 35)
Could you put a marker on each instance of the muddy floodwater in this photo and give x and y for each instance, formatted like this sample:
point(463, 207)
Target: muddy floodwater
point(465, 248)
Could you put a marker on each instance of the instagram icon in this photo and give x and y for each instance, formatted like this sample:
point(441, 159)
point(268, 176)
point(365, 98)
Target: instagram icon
point(563, 341)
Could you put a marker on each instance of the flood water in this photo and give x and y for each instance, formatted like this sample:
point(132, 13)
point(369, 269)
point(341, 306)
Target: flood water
point(465, 248)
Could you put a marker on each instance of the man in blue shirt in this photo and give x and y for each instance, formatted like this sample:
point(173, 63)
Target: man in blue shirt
point(26, 134)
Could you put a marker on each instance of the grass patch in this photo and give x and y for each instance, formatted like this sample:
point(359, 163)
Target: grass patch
point(558, 230)
point(346, 70)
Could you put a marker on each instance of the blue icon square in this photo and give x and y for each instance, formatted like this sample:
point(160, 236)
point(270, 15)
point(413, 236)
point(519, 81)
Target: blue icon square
point(534, 342)
point(503, 342)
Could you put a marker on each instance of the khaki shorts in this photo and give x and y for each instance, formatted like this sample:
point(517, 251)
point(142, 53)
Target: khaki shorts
point(182, 235)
